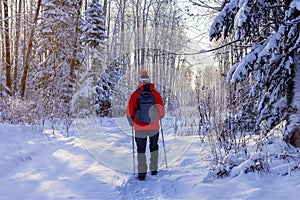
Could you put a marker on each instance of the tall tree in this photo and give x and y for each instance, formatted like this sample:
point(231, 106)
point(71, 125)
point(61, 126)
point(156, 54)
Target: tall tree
point(76, 47)
point(271, 28)
point(18, 10)
point(29, 49)
point(2, 54)
point(7, 47)
point(57, 57)
point(93, 27)
point(94, 37)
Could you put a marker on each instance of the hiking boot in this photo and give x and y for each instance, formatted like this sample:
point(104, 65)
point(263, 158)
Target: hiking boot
point(141, 177)
point(153, 173)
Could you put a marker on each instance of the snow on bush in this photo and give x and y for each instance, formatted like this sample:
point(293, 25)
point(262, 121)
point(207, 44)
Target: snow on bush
point(16, 111)
point(266, 154)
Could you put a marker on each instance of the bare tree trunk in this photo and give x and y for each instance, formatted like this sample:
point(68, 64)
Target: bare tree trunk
point(74, 61)
point(24, 29)
point(18, 28)
point(7, 47)
point(137, 39)
point(156, 51)
point(292, 133)
point(135, 13)
point(114, 52)
point(29, 50)
point(2, 49)
point(144, 33)
point(123, 12)
point(293, 99)
point(105, 7)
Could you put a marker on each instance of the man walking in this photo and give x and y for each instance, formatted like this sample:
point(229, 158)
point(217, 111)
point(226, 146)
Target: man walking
point(144, 111)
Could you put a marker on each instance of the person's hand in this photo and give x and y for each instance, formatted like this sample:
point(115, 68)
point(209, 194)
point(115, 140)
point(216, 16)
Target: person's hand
point(130, 121)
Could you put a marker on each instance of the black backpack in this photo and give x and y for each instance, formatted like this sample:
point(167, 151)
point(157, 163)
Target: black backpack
point(146, 111)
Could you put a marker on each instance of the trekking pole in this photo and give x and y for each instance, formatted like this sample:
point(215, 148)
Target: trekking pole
point(163, 140)
point(133, 157)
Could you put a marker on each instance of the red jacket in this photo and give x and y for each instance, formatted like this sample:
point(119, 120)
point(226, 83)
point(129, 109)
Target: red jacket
point(133, 105)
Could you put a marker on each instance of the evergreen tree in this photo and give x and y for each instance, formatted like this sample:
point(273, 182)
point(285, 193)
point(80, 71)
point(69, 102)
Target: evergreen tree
point(93, 27)
point(56, 48)
point(94, 37)
point(271, 28)
point(109, 86)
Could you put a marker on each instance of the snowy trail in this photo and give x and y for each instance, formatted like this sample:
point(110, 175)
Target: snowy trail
point(99, 166)
point(169, 183)
point(60, 170)
point(95, 166)
point(114, 150)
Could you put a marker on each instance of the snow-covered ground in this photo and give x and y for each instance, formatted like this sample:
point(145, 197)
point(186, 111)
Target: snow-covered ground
point(96, 163)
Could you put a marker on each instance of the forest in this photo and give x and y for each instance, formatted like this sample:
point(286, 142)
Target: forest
point(62, 60)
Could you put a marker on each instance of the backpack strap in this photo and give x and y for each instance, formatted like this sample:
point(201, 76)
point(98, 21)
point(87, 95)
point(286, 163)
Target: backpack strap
point(139, 90)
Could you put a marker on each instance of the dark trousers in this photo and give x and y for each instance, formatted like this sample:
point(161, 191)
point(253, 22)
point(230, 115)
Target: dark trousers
point(141, 142)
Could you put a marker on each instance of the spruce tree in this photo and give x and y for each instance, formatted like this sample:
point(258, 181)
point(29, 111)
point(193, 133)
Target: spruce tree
point(94, 38)
point(93, 27)
point(271, 29)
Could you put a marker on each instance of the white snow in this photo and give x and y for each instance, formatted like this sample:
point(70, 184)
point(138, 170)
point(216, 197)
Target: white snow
point(96, 163)
point(218, 25)
point(241, 19)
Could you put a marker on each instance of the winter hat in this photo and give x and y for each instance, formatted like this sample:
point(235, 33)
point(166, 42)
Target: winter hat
point(144, 77)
